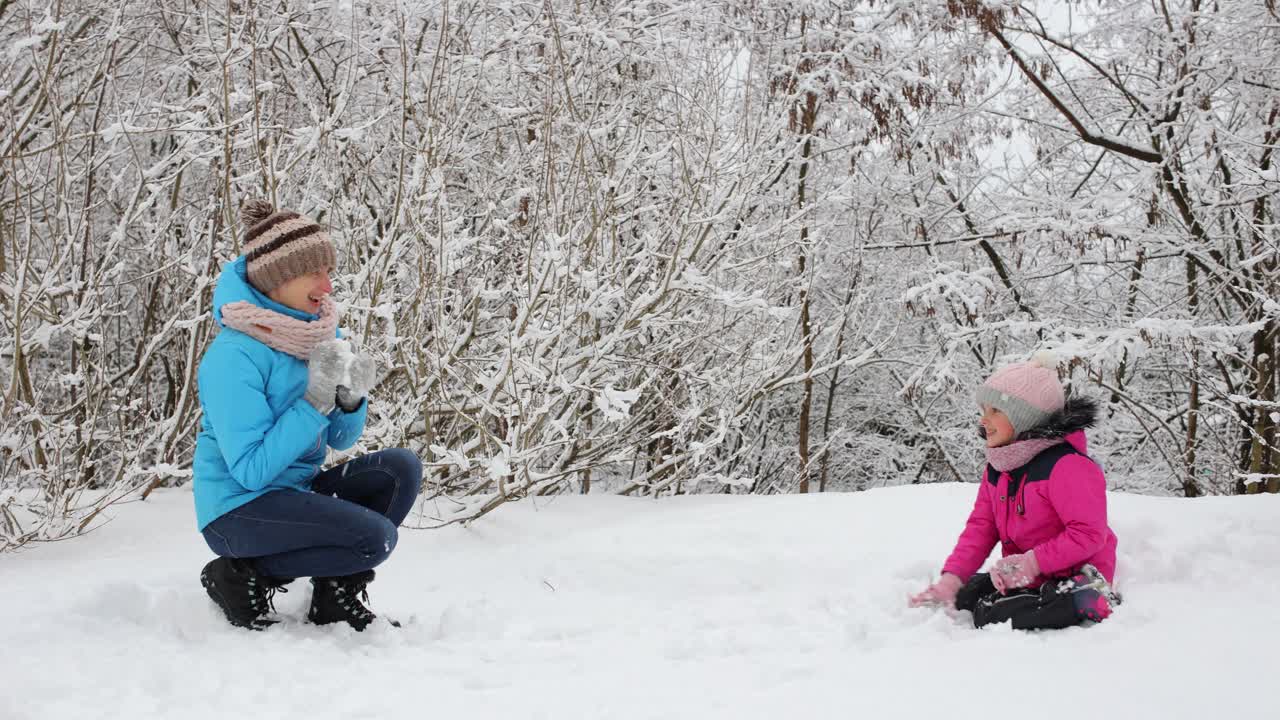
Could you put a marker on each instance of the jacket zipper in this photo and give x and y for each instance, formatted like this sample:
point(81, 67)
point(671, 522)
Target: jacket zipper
point(1016, 500)
point(1005, 498)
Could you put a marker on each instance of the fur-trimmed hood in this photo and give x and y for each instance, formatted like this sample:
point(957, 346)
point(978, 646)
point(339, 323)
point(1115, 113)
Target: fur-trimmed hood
point(1079, 413)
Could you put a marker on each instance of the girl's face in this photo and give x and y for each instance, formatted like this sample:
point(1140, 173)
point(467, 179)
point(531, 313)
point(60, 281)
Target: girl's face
point(305, 292)
point(996, 427)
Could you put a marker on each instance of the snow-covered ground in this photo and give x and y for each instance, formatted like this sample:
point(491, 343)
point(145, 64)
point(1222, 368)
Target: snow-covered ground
point(696, 607)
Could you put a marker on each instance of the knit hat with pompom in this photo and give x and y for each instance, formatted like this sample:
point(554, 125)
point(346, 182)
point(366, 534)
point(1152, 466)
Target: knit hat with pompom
point(1027, 393)
point(280, 245)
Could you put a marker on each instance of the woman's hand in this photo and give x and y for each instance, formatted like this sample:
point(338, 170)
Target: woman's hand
point(355, 387)
point(324, 372)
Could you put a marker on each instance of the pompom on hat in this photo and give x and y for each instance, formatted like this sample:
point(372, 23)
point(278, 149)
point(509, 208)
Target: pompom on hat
point(1027, 393)
point(280, 245)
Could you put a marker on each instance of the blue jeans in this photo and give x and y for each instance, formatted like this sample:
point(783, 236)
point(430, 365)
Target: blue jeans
point(346, 525)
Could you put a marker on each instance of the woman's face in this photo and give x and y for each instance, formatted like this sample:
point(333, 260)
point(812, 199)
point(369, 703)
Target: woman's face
point(305, 292)
point(996, 427)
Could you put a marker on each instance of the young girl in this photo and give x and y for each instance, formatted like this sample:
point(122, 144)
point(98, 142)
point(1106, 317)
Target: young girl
point(277, 386)
point(1044, 500)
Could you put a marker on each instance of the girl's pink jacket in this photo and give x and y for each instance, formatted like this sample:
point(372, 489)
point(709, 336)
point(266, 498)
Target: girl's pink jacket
point(1055, 505)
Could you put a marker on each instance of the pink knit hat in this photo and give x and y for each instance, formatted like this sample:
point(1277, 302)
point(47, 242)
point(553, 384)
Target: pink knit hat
point(280, 245)
point(1027, 393)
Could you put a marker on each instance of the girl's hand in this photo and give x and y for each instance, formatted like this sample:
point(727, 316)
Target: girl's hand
point(941, 593)
point(1015, 571)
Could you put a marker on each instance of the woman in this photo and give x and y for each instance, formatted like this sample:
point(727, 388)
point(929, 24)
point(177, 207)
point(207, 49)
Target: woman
point(277, 386)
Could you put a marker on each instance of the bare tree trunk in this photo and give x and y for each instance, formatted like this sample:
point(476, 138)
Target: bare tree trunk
point(805, 337)
point(806, 329)
point(808, 119)
point(834, 384)
point(1262, 456)
point(1190, 487)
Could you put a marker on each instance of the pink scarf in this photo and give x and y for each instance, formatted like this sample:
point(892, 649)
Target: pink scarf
point(279, 331)
point(1018, 453)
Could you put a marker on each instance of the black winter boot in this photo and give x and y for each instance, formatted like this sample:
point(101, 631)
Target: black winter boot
point(245, 596)
point(338, 599)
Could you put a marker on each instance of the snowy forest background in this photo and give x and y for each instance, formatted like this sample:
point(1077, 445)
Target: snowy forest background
point(649, 247)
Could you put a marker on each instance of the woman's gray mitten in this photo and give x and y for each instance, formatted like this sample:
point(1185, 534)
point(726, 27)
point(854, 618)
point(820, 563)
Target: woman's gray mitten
point(356, 386)
point(324, 372)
